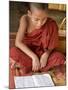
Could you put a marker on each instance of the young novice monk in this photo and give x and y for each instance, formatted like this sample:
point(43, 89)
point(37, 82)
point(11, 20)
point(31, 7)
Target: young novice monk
point(36, 40)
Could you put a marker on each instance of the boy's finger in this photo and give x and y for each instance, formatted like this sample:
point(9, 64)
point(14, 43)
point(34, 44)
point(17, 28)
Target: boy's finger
point(42, 66)
point(33, 69)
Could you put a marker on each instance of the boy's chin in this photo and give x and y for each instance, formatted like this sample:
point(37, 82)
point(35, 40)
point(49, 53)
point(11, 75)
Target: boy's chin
point(38, 27)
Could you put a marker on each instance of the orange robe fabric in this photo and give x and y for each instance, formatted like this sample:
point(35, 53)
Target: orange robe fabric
point(45, 38)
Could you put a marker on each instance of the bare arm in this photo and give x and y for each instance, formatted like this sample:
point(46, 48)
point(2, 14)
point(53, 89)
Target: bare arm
point(23, 47)
point(44, 58)
point(20, 36)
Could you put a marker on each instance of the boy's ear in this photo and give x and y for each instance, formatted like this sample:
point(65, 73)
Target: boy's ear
point(29, 13)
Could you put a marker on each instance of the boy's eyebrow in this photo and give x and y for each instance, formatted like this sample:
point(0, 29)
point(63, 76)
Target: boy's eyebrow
point(39, 19)
point(36, 18)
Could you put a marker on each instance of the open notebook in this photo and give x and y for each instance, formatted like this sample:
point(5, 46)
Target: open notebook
point(33, 81)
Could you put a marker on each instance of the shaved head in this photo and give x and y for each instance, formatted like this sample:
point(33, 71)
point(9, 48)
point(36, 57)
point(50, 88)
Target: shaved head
point(39, 6)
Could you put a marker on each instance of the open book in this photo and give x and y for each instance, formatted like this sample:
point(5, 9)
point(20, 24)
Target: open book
point(33, 81)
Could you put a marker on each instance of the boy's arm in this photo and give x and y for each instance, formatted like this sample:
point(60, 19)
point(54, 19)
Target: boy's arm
point(44, 58)
point(19, 43)
point(20, 36)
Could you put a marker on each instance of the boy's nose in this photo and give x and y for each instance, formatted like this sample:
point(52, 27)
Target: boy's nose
point(39, 23)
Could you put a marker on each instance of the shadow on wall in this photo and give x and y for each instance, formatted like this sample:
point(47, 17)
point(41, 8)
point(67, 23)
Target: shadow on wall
point(17, 9)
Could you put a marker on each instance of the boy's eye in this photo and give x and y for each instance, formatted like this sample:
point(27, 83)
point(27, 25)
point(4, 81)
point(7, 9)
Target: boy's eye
point(36, 19)
point(39, 19)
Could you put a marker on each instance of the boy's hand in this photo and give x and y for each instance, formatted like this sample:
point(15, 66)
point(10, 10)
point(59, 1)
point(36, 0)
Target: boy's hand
point(43, 59)
point(35, 64)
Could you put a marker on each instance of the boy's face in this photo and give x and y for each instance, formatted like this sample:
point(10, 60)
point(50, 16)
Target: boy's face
point(38, 18)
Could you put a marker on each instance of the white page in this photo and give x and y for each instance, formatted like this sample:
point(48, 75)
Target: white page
point(33, 81)
point(43, 80)
point(49, 79)
point(22, 82)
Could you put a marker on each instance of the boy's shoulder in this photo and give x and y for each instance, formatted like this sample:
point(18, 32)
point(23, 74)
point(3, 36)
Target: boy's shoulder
point(51, 20)
point(23, 18)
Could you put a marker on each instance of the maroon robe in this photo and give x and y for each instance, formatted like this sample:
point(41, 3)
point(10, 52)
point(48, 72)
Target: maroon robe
point(40, 40)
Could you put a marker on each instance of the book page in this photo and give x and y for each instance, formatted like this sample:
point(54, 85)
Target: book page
point(33, 81)
point(24, 81)
point(42, 80)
